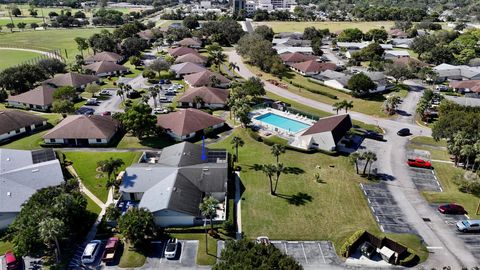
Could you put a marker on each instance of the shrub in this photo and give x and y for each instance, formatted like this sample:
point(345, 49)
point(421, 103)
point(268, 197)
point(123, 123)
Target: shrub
point(352, 239)
point(229, 227)
point(315, 91)
point(410, 260)
point(254, 135)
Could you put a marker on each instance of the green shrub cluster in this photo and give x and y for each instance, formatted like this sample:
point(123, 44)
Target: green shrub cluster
point(410, 260)
point(352, 239)
point(315, 91)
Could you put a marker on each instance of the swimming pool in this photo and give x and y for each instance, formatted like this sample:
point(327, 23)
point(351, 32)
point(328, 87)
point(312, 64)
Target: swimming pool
point(282, 122)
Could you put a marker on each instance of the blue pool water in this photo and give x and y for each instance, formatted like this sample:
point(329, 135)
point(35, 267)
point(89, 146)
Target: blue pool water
point(282, 122)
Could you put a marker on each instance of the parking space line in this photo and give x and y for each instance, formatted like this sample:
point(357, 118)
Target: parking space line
point(321, 252)
point(304, 254)
point(181, 251)
point(373, 210)
point(381, 227)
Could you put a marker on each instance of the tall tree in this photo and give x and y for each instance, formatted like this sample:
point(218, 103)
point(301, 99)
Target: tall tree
point(110, 166)
point(92, 88)
point(337, 106)
point(276, 150)
point(360, 84)
point(82, 44)
point(391, 103)
point(51, 229)
point(137, 225)
point(354, 158)
point(208, 208)
point(279, 170)
point(138, 120)
point(347, 105)
point(369, 156)
point(237, 142)
point(269, 170)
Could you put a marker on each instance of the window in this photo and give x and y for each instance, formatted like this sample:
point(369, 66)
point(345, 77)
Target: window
point(17, 131)
point(52, 140)
point(99, 140)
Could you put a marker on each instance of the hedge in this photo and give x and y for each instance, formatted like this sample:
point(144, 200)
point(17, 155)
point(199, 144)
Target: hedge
point(410, 260)
point(320, 92)
point(352, 239)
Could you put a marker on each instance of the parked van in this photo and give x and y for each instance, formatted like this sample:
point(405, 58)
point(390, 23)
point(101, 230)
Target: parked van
point(91, 251)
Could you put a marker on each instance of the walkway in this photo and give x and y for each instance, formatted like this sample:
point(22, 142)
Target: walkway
point(238, 205)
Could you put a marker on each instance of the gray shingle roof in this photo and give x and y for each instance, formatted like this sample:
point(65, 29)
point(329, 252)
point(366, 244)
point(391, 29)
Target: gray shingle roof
point(84, 127)
point(41, 95)
point(14, 119)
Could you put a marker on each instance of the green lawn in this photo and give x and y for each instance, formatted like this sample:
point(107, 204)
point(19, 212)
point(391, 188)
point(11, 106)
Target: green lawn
point(131, 258)
point(92, 206)
point(48, 40)
point(12, 57)
point(428, 141)
point(85, 163)
point(332, 26)
point(158, 142)
point(5, 246)
point(437, 149)
point(27, 20)
point(305, 210)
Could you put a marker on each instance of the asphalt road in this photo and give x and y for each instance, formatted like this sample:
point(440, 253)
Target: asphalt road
point(446, 249)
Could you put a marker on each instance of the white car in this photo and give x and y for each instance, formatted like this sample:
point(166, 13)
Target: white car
point(160, 111)
point(105, 92)
point(172, 248)
point(91, 251)
point(263, 240)
point(92, 101)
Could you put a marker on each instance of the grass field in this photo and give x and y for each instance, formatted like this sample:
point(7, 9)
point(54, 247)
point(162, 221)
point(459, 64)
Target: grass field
point(131, 258)
point(48, 40)
point(12, 57)
point(92, 206)
point(28, 20)
point(85, 163)
point(332, 26)
point(5, 246)
point(437, 149)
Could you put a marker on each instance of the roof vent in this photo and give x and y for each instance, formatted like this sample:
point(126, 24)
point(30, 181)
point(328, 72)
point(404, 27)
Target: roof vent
point(35, 170)
point(9, 194)
point(8, 159)
point(148, 169)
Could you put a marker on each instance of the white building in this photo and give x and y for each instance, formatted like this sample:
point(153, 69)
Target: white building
point(395, 54)
point(15, 123)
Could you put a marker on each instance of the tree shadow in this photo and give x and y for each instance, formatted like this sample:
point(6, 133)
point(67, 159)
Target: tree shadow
point(294, 170)
point(296, 199)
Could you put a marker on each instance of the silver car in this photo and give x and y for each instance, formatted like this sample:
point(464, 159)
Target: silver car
point(468, 225)
point(91, 251)
point(172, 248)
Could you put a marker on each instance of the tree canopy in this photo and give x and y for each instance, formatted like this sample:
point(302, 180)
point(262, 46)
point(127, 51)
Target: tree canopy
point(138, 120)
point(137, 225)
point(360, 84)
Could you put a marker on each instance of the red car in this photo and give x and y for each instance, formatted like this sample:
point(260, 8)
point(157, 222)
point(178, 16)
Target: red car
point(110, 249)
point(452, 209)
point(420, 163)
point(11, 261)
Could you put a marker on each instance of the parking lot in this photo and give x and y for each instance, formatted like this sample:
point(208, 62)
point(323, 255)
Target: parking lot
point(471, 240)
point(309, 253)
point(186, 258)
point(386, 211)
point(424, 179)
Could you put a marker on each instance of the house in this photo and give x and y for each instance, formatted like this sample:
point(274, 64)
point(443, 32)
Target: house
point(325, 134)
point(205, 78)
point(292, 49)
point(190, 42)
point(291, 42)
point(105, 56)
point(14, 123)
point(186, 68)
point(312, 67)
point(466, 86)
point(395, 54)
point(192, 58)
point(451, 72)
point(397, 33)
point(296, 35)
point(334, 79)
point(352, 46)
point(148, 35)
point(179, 51)
point(73, 79)
point(173, 184)
point(106, 68)
point(22, 173)
point(379, 79)
point(39, 99)
point(410, 61)
point(209, 97)
point(187, 123)
point(401, 42)
point(83, 130)
point(296, 57)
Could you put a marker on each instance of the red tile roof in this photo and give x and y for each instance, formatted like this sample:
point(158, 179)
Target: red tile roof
point(189, 42)
point(105, 56)
point(72, 79)
point(314, 66)
point(179, 51)
point(192, 58)
point(202, 78)
point(209, 95)
point(105, 67)
point(296, 57)
point(84, 127)
point(329, 124)
point(184, 122)
point(41, 95)
point(465, 84)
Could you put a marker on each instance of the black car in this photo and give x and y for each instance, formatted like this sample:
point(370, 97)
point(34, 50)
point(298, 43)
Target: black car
point(373, 135)
point(133, 94)
point(85, 111)
point(403, 132)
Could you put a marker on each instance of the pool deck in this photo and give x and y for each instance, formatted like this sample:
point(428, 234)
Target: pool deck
point(275, 130)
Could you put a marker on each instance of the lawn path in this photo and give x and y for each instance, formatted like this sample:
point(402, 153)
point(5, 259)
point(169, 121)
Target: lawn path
point(87, 192)
point(49, 54)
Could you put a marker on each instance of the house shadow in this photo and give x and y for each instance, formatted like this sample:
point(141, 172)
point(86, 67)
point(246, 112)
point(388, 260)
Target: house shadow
point(298, 199)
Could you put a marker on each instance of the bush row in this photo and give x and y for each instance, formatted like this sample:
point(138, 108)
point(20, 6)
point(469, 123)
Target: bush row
point(352, 239)
point(410, 260)
point(315, 91)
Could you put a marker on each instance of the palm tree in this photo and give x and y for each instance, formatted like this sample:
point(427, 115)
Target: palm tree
point(354, 158)
point(269, 170)
point(467, 151)
point(120, 93)
point(368, 156)
point(51, 229)
point(233, 66)
point(390, 105)
point(110, 166)
point(153, 93)
point(145, 99)
point(279, 169)
point(198, 102)
point(347, 105)
point(337, 106)
point(208, 208)
point(237, 142)
point(455, 144)
point(277, 150)
point(477, 155)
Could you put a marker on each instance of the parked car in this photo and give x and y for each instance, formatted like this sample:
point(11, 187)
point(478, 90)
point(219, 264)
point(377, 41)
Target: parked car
point(160, 111)
point(11, 261)
point(263, 240)
point(441, 87)
point(373, 135)
point(107, 113)
point(163, 99)
point(105, 92)
point(452, 209)
point(418, 162)
point(133, 94)
point(367, 249)
point(162, 81)
point(170, 93)
point(110, 249)
point(468, 225)
point(403, 132)
point(172, 248)
point(92, 101)
point(91, 251)
point(167, 81)
point(85, 111)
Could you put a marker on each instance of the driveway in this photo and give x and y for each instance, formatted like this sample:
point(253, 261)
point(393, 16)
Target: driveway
point(311, 254)
point(112, 104)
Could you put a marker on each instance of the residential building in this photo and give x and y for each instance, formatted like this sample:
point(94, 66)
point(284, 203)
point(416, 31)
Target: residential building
point(291, 49)
point(466, 86)
point(204, 78)
point(238, 5)
point(105, 56)
point(15, 123)
point(190, 42)
point(296, 57)
point(39, 99)
point(334, 79)
point(22, 173)
point(401, 42)
point(325, 134)
point(106, 68)
point(174, 182)
point(187, 123)
point(451, 72)
point(187, 68)
point(397, 33)
point(73, 79)
point(192, 58)
point(312, 67)
point(179, 51)
point(379, 79)
point(208, 97)
point(395, 54)
point(291, 42)
point(360, 45)
point(83, 130)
